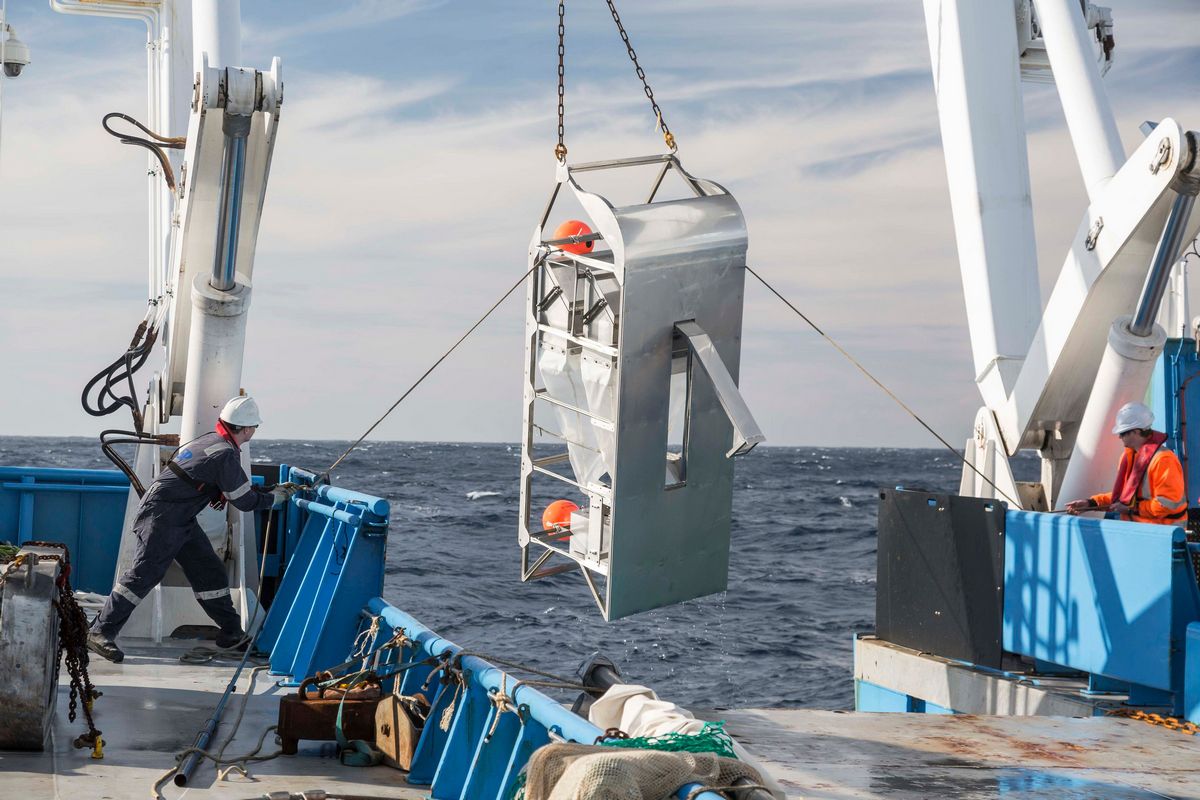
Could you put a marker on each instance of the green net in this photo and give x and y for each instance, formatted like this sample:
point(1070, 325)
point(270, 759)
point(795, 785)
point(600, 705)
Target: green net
point(712, 738)
point(8, 552)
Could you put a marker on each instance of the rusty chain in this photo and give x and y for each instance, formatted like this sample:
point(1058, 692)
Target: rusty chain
point(72, 644)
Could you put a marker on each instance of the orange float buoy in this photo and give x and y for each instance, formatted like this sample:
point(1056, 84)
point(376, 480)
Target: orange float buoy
point(574, 227)
point(558, 515)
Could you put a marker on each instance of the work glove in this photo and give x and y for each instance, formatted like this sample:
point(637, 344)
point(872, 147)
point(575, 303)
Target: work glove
point(283, 493)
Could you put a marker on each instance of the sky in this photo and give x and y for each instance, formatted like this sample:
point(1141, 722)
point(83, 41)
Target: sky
point(414, 158)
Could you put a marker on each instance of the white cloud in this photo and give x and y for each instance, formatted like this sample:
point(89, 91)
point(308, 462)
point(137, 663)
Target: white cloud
point(398, 211)
point(348, 16)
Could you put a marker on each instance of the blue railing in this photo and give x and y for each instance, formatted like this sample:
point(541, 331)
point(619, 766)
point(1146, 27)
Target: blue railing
point(336, 566)
point(82, 508)
point(330, 594)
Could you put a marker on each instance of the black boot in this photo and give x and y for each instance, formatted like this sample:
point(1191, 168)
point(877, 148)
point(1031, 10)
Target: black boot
point(233, 640)
point(104, 647)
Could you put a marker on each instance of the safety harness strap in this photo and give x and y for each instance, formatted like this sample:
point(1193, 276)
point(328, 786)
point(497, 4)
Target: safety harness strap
point(215, 498)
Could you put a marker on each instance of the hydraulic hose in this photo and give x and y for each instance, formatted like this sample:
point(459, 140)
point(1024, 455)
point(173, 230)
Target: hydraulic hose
point(131, 437)
point(106, 400)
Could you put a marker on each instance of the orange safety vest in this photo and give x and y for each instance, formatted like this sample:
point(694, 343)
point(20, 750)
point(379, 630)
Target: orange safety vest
point(1160, 495)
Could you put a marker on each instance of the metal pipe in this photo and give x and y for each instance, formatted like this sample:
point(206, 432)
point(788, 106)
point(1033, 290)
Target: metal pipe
point(328, 511)
point(1084, 99)
point(188, 766)
point(148, 11)
point(217, 31)
point(233, 174)
point(1169, 247)
point(376, 505)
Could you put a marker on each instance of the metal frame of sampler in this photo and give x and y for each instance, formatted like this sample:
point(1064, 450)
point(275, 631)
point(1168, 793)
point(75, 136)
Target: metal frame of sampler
point(615, 341)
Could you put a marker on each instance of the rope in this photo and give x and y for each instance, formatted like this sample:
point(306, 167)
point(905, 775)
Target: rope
point(237, 722)
point(885, 389)
point(365, 641)
point(429, 371)
point(252, 757)
point(563, 683)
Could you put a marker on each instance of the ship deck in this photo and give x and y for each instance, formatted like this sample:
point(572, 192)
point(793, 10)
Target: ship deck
point(853, 755)
point(152, 707)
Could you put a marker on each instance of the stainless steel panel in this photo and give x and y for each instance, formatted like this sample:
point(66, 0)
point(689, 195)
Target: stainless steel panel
point(671, 263)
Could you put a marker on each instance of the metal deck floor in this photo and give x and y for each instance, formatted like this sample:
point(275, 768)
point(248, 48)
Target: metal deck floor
point(152, 707)
point(853, 755)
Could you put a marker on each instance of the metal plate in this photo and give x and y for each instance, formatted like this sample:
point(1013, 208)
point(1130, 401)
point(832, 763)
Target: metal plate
point(940, 583)
point(28, 654)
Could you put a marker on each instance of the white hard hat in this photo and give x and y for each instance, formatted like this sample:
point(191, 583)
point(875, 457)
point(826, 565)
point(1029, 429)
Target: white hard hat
point(1131, 416)
point(241, 411)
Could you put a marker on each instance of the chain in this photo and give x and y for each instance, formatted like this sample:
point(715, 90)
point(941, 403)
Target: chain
point(560, 150)
point(72, 643)
point(1171, 723)
point(73, 631)
point(668, 137)
point(72, 649)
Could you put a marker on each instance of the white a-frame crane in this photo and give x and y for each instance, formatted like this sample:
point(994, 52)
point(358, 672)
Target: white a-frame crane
point(1052, 381)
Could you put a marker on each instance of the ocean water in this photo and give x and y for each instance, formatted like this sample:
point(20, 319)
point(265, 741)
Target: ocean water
point(802, 567)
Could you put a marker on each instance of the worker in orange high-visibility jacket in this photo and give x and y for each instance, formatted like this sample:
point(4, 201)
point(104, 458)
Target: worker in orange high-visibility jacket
point(1149, 485)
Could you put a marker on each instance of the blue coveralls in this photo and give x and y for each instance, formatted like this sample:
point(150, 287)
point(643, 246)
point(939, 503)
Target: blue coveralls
point(166, 531)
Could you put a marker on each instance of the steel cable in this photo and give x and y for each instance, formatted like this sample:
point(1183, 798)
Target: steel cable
point(429, 371)
point(885, 389)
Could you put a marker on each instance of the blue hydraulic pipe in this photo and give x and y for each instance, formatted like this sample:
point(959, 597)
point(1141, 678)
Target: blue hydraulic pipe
point(329, 511)
point(376, 505)
point(233, 174)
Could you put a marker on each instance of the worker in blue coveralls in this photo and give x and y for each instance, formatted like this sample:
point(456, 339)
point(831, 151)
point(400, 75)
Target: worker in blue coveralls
point(205, 471)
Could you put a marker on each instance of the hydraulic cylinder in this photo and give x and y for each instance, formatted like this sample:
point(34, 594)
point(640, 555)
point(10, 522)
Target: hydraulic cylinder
point(1125, 372)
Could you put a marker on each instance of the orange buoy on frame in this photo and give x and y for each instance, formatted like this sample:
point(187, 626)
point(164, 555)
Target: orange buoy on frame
point(558, 515)
point(574, 227)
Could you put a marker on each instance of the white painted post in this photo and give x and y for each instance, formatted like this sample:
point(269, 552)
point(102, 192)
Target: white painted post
point(976, 71)
point(217, 30)
point(1081, 89)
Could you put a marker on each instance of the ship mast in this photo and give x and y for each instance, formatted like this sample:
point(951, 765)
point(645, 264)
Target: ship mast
point(203, 229)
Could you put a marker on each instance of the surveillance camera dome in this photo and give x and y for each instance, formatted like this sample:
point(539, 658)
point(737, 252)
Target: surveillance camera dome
point(16, 54)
